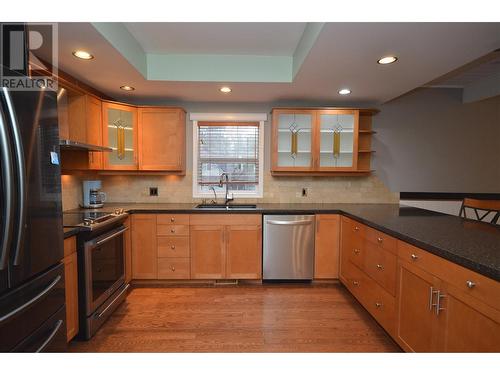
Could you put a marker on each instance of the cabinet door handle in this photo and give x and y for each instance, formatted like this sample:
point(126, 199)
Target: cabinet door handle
point(172, 230)
point(470, 284)
point(172, 268)
point(380, 240)
point(172, 219)
point(355, 283)
point(431, 298)
point(438, 302)
point(172, 247)
point(378, 304)
point(356, 228)
point(414, 257)
point(356, 251)
point(380, 267)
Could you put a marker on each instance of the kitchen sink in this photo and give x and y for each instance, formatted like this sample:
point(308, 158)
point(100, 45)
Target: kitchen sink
point(227, 207)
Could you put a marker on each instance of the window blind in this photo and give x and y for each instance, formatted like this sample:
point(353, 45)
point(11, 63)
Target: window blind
point(231, 148)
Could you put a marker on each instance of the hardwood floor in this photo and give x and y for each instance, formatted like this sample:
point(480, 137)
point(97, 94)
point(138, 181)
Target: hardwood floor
point(267, 318)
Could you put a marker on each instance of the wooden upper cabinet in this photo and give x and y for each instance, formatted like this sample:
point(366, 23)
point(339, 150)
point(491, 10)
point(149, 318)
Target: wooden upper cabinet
point(144, 247)
point(293, 140)
point(321, 141)
point(94, 130)
point(243, 252)
point(119, 131)
point(327, 247)
point(161, 142)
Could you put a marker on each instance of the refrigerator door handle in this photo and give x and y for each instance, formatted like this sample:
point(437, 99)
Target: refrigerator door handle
point(7, 181)
point(31, 301)
point(21, 177)
point(51, 336)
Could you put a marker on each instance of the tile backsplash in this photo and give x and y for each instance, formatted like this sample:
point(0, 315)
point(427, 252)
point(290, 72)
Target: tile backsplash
point(178, 189)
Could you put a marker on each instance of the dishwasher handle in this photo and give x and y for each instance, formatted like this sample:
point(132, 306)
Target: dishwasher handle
point(289, 222)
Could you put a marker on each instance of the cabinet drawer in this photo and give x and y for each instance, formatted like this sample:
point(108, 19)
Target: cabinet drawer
point(381, 240)
point(380, 304)
point(353, 227)
point(356, 252)
point(482, 288)
point(173, 247)
point(172, 230)
point(174, 268)
point(177, 219)
point(381, 265)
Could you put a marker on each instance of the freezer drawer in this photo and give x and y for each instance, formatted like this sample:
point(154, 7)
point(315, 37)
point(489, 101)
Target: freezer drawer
point(50, 337)
point(288, 247)
point(25, 309)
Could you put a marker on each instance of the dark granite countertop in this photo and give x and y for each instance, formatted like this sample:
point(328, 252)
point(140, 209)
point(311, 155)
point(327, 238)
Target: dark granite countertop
point(70, 232)
point(471, 244)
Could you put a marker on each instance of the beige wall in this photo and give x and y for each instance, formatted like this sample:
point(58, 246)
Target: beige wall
point(175, 189)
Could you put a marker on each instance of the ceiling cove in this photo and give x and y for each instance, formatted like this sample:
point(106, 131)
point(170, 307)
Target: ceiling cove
point(215, 67)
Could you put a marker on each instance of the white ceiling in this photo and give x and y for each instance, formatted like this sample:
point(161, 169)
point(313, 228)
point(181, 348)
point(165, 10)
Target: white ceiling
point(225, 38)
point(344, 55)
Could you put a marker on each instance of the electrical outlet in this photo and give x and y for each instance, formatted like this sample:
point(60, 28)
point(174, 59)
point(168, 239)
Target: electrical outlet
point(304, 192)
point(153, 191)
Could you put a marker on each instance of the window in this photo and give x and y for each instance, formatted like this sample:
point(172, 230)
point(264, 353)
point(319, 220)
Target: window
point(231, 147)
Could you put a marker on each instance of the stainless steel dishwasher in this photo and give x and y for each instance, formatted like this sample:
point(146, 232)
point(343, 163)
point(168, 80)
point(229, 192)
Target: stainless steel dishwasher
point(288, 247)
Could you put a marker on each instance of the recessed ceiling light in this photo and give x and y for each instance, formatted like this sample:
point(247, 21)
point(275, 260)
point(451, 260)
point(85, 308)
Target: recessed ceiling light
point(84, 55)
point(225, 89)
point(387, 60)
point(127, 88)
point(344, 92)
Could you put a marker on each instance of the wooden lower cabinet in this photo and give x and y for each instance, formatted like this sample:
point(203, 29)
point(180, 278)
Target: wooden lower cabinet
point(467, 326)
point(71, 287)
point(417, 323)
point(230, 248)
point(208, 252)
point(426, 303)
point(327, 247)
point(144, 247)
point(243, 252)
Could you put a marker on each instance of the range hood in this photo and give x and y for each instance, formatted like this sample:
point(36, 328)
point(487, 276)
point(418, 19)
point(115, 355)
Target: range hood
point(66, 144)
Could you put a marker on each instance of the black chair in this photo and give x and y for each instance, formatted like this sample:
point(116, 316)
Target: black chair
point(488, 208)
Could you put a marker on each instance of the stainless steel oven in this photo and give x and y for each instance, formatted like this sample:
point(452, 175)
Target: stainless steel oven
point(104, 264)
point(101, 263)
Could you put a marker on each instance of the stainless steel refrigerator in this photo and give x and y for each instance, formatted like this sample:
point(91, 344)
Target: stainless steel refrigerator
point(32, 309)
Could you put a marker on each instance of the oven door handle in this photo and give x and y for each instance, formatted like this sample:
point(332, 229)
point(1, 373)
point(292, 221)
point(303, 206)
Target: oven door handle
point(114, 300)
point(111, 236)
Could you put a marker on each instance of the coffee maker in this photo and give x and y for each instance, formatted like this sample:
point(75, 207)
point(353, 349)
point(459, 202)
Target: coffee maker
point(93, 197)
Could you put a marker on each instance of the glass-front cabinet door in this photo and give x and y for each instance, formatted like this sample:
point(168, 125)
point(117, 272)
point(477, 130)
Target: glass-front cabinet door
point(120, 133)
point(293, 140)
point(338, 147)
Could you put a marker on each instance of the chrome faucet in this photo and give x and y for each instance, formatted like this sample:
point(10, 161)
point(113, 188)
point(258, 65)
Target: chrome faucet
point(221, 184)
point(214, 201)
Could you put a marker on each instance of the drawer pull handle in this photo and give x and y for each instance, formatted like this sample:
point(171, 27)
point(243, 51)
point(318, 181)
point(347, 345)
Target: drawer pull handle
point(380, 267)
point(380, 239)
point(378, 304)
point(470, 284)
point(172, 230)
point(355, 283)
point(356, 228)
point(356, 251)
point(172, 247)
point(172, 268)
point(414, 257)
point(172, 219)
